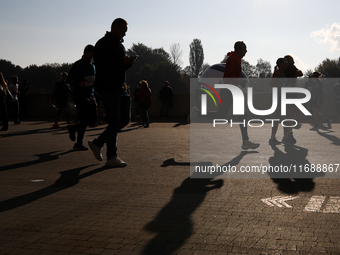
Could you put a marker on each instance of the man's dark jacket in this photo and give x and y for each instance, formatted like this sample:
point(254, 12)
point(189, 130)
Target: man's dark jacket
point(108, 59)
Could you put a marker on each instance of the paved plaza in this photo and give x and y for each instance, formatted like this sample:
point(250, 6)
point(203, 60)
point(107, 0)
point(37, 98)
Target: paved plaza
point(54, 200)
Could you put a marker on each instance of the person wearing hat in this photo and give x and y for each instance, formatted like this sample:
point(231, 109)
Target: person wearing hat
point(317, 100)
point(81, 78)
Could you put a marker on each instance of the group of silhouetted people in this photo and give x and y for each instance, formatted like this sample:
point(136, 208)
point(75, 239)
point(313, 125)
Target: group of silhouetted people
point(100, 75)
point(102, 68)
point(285, 75)
point(12, 100)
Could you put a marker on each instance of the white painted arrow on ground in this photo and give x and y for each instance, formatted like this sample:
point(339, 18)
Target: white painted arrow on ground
point(278, 201)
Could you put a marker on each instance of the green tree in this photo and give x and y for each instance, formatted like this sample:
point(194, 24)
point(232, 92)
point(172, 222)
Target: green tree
point(329, 68)
point(204, 67)
point(8, 69)
point(196, 57)
point(154, 66)
point(176, 54)
point(248, 69)
point(263, 68)
point(186, 72)
point(41, 78)
point(308, 73)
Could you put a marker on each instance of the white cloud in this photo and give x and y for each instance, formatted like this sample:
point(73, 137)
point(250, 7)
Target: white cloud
point(329, 35)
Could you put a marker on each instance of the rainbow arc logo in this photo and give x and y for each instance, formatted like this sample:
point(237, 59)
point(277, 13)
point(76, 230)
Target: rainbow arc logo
point(204, 98)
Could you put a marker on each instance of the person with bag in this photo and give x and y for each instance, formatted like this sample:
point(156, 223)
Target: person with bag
point(145, 102)
point(3, 104)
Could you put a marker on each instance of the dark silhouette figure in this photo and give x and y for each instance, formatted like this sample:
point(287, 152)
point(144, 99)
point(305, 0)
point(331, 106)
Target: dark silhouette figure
point(23, 91)
point(144, 102)
point(111, 64)
point(81, 78)
point(13, 103)
point(3, 103)
point(232, 74)
point(60, 98)
point(165, 95)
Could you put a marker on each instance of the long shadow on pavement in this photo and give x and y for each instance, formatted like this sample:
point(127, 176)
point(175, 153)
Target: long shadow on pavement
point(332, 138)
point(44, 157)
point(173, 223)
point(29, 132)
point(67, 179)
point(295, 180)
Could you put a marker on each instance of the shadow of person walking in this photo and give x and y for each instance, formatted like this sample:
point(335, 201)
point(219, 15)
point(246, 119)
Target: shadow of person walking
point(334, 139)
point(288, 170)
point(67, 179)
point(173, 223)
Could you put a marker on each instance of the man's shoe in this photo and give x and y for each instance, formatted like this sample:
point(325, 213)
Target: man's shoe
point(329, 124)
point(96, 150)
point(287, 141)
point(55, 126)
point(72, 132)
point(115, 162)
point(314, 128)
point(273, 141)
point(80, 147)
point(249, 145)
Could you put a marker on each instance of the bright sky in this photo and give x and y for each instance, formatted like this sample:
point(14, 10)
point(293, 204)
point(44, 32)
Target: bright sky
point(56, 31)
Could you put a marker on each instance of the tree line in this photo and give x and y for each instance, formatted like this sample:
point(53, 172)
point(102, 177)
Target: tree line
point(154, 65)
